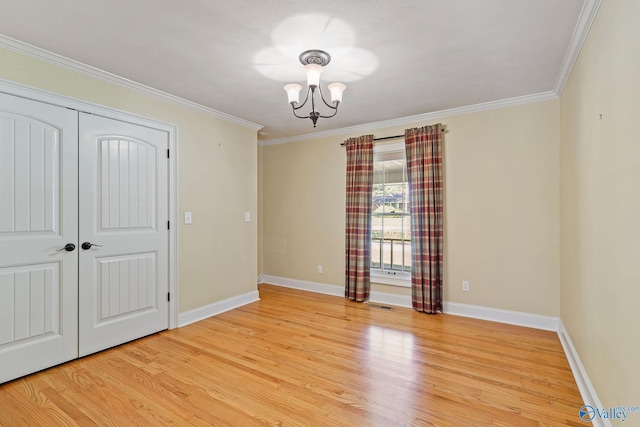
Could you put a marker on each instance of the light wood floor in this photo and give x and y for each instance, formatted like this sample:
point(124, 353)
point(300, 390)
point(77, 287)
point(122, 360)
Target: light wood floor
point(303, 359)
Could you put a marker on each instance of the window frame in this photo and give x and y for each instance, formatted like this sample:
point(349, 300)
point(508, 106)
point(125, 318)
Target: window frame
point(378, 275)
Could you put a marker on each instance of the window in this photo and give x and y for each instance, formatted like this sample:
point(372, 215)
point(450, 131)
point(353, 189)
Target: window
point(390, 222)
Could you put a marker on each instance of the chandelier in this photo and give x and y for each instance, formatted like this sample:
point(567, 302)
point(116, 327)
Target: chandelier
point(314, 61)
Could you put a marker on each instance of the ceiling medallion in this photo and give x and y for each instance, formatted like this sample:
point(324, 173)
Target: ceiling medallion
point(315, 56)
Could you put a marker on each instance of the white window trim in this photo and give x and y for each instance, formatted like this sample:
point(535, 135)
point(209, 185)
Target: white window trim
point(388, 148)
point(390, 277)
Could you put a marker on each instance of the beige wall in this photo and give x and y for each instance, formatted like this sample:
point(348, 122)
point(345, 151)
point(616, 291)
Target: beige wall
point(600, 204)
point(502, 208)
point(217, 179)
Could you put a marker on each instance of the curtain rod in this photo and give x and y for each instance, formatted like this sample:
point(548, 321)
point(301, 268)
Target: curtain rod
point(384, 138)
point(389, 137)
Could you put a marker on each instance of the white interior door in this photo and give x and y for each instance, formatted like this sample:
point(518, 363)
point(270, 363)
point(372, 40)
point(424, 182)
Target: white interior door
point(123, 202)
point(38, 217)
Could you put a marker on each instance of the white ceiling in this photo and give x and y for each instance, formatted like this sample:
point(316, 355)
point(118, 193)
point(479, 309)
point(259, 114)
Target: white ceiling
point(398, 58)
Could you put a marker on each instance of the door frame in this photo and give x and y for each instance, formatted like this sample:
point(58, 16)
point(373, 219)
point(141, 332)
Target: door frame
point(24, 91)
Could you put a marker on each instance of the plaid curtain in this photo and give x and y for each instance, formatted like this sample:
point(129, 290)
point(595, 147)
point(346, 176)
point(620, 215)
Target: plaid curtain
point(358, 217)
point(424, 171)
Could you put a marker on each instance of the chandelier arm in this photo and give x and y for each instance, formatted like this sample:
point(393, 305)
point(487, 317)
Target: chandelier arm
point(313, 99)
point(302, 105)
point(303, 102)
point(314, 115)
point(327, 104)
point(334, 113)
point(300, 117)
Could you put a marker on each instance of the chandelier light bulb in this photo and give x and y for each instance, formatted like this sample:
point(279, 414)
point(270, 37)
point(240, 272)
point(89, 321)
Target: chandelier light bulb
point(293, 92)
point(336, 90)
point(313, 74)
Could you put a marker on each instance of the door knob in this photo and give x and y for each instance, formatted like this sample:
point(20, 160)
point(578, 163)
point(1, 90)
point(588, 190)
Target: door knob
point(69, 247)
point(87, 245)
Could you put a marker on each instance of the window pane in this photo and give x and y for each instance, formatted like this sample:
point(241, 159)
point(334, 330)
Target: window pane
point(406, 229)
point(378, 198)
point(375, 253)
point(376, 227)
point(407, 256)
point(398, 252)
point(386, 255)
point(390, 230)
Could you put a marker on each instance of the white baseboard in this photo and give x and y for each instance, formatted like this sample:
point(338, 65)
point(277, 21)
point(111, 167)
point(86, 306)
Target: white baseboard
point(336, 291)
point(219, 307)
point(547, 323)
point(303, 285)
point(485, 313)
point(588, 393)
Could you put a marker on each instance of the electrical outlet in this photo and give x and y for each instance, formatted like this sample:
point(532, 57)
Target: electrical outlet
point(465, 286)
point(319, 269)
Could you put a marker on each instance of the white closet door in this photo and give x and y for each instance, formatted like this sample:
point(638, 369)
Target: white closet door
point(123, 209)
point(38, 217)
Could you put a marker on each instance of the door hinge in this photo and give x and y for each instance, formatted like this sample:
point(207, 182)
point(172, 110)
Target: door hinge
point(168, 225)
point(168, 296)
point(168, 153)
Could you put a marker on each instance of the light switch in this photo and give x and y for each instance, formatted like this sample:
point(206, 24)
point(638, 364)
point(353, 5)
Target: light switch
point(187, 218)
point(247, 217)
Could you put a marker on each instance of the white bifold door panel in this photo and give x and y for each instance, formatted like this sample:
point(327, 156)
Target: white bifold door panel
point(124, 209)
point(38, 218)
point(83, 234)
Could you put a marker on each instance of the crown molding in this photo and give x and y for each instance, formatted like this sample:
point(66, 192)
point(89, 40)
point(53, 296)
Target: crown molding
point(580, 32)
point(475, 108)
point(78, 67)
point(583, 25)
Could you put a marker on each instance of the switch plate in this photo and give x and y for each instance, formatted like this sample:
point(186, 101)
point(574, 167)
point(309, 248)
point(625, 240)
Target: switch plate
point(187, 218)
point(465, 285)
point(247, 217)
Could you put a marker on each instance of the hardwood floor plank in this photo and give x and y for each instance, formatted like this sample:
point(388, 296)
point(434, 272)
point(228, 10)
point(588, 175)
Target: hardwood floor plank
point(301, 359)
